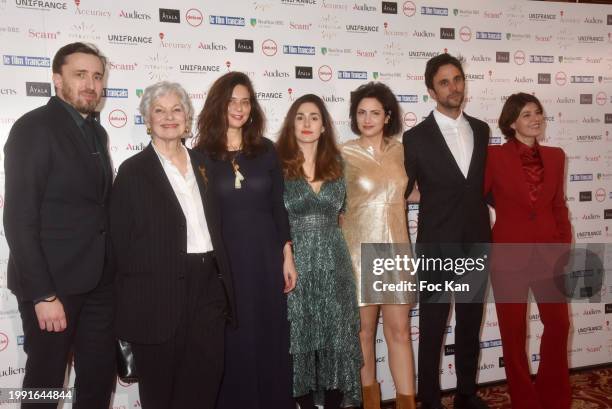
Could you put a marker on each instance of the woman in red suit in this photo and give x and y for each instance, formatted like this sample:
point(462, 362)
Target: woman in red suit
point(526, 181)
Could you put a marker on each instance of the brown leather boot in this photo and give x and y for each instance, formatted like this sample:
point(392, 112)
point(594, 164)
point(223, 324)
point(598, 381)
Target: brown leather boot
point(404, 402)
point(371, 396)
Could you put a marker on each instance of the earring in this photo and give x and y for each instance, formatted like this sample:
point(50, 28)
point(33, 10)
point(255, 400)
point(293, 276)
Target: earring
point(148, 131)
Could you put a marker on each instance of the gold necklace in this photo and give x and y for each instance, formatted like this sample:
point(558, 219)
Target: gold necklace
point(238, 177)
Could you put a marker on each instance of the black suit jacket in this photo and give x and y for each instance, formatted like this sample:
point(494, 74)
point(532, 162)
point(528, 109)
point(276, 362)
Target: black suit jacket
point(452, 208)
point(149, 236)
point(55, 211)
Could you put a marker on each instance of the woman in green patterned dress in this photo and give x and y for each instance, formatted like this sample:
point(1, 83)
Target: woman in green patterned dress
point(323, 311)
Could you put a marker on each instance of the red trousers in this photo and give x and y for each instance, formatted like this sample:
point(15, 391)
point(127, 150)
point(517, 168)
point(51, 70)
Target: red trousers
point(551, 388)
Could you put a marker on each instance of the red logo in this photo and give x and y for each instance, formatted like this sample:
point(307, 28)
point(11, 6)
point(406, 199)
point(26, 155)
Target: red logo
point(414, 333)
point(465, 33)
point(560, 78)
point(601, 98)
point(117, 118)
point(325, 73)
point(194, 17)
point(269, 48)
point(1, 202)
point(4, 341)
point(412, 226)
point(77, 2)
point(519, 57)
point(600, 195)
point(161, 36)
point(409, 8)
point(410, 119)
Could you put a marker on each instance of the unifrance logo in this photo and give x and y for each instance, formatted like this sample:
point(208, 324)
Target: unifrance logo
point(121, 39)
point(114, 93)
point(41, 5)
point(226, 21)
point(25, 61)
point(299, 49)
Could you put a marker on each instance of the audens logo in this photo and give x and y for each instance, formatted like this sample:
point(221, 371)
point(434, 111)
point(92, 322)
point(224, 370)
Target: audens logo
point(299, 49)
point(25, 61)
point(41, 5)
point(134, 15)
point(212, 46)
point(226, 21)
point(38, 89)
point(434, 11)
point(352, 75)
point(114, 93)
point(488, 35)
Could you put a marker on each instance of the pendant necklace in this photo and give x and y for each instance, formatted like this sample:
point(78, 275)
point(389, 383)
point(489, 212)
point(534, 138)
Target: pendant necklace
point(238, 177)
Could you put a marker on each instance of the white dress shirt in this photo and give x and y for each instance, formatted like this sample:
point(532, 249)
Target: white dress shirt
point(188, 194)
point(459, 138)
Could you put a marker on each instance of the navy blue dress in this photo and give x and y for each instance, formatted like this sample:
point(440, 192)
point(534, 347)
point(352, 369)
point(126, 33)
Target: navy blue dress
point(255, 228)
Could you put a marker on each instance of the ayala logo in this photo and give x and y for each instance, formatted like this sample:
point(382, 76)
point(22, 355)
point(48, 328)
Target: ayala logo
point(38, 89)
point(544, 78)
point(608, 118)
point(586, 99)
point(447, 33)
point(303, 72)
point(389, 7)
point(585, 196)
point(610, 19)
point(169, 16)
point(502, 57)
point(244, 46)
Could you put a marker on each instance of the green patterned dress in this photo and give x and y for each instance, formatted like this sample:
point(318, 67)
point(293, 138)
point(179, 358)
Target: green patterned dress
point(323, 310)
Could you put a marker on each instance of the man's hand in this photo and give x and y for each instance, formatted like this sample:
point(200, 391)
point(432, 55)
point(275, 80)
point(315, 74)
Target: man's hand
point(50, 314)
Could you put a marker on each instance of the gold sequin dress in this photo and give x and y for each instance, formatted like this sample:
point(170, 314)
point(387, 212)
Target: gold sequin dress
point(375, 210)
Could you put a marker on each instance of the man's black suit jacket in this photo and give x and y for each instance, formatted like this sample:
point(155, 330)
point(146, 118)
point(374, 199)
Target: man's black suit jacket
point(452, 208)
point(149, 235)
point(55, 211)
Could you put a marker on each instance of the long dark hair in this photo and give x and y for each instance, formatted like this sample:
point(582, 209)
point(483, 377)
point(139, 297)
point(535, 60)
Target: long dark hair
point(327, 161)
point(213, 124)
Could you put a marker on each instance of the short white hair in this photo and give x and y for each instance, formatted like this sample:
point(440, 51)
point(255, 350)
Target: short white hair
point(160, 89)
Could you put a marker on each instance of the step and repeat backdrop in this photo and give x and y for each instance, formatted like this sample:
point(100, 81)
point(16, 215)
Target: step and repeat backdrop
point(560, 52)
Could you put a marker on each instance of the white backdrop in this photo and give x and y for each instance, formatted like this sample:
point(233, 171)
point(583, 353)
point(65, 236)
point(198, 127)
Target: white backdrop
point(560, 52)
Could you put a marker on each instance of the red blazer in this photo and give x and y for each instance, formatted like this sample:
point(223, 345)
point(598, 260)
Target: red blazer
point(518, 219)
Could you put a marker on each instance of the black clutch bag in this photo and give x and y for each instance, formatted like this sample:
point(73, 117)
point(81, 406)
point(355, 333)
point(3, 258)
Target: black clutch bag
point(126, 366)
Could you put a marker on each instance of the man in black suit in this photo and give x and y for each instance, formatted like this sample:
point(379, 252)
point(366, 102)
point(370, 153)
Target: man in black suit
point(445, 156)
point(58, 177)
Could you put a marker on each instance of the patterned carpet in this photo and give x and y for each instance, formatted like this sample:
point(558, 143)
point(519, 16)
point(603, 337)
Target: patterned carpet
point(592, 389)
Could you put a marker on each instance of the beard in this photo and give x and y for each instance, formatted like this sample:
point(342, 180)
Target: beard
point(79, 100)
point(453, 101)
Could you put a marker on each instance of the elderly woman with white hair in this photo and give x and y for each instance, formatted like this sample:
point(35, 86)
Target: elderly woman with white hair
point(174, 287)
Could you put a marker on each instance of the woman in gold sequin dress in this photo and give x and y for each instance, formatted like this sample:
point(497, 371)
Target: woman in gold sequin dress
point(376, 213)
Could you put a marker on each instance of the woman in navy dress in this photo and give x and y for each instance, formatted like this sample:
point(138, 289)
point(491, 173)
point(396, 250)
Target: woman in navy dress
point(249, 183)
